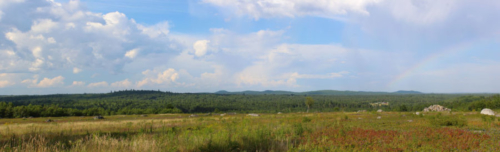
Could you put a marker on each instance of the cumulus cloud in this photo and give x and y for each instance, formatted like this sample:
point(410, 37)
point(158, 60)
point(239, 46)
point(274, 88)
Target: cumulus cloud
point(43, 26)
point(316, 76)
point(425, 24)
point(122, 84)
point(78, 83)
point(132, 53)
point(45, 82)
point(6, 80)
point(397, 24)
point(200, 47)
point(156, 77)
point(160, 29)
point(251, 44)
point(77, 70)
point(262, 75)
point(418, 12)
point(293, 8)
point(95, 75)
point(98, 84)
point(472, 77)
point(260, 59)
point(287, 79)
point(5, 83)
point(54, 36)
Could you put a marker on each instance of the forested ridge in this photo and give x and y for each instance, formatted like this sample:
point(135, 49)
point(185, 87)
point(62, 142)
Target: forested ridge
point(154, 102)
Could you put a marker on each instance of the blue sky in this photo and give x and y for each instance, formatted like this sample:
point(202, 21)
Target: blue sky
point(91, 46)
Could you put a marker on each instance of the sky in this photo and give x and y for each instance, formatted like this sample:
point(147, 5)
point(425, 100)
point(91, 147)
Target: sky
point(97, 46)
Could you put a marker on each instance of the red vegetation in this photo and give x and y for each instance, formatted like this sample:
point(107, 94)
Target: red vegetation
point(435, 139)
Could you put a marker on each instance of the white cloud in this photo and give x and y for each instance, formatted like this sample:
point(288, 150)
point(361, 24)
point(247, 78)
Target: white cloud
point(248, 45)
point(264, 76)
point(261, 75)
point(122, 84)
point(43, 26)
point(45, 82)
point(6, 80)
point(76, 70)
point(4, 84)
point(9, 52)
point(160, 29)
point(95, 75)
point(168, 76)
point(418, 25)
point(200, 47)
point(260, 59)
point(132, 53)
point(285, 64)
point(293, 8)
point(422, 22)
point(54, 36)
point(51, 40)
point(98, 84)
point(78, 83)
point(455, 78)
point(37, 52)
point(313, 76)
point(420, 12)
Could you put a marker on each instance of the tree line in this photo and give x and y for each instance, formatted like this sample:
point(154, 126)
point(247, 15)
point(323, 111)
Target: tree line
point(154, 102)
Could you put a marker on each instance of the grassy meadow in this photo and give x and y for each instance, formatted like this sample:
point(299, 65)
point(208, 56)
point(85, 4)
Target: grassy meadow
point(337, 131)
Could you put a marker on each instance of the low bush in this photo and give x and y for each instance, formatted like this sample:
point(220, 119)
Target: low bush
point(440, 120)
point(306, 119)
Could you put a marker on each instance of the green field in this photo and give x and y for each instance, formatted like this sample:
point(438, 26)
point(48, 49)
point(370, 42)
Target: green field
point(331, 131)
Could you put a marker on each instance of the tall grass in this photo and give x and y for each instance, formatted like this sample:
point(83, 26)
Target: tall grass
point(286, 132)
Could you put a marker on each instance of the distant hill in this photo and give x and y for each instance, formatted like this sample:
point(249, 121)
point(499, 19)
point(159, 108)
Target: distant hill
point(317, 92)
point(255, 92)
point(408, 92)
point(336, 92)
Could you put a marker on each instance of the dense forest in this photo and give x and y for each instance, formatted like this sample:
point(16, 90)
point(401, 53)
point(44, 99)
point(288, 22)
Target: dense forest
point(154, 102)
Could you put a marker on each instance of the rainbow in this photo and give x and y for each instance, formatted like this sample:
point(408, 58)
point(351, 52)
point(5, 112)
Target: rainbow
point(444, 52)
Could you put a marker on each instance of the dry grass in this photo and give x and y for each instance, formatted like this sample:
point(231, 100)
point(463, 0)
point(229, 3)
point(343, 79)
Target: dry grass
point(285, 132)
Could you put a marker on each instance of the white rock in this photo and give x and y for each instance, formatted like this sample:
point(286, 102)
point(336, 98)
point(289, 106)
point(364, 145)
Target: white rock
point(379, 110)
point(437, 108)
point(253, 114)
point(487, 111)
point(379, 117)
point(417, 113)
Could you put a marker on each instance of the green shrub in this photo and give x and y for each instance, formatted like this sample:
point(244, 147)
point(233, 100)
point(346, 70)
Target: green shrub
point(488, 119)
point(306, 119)
point(440, 120)
point(224, 146)
point(299, 130)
